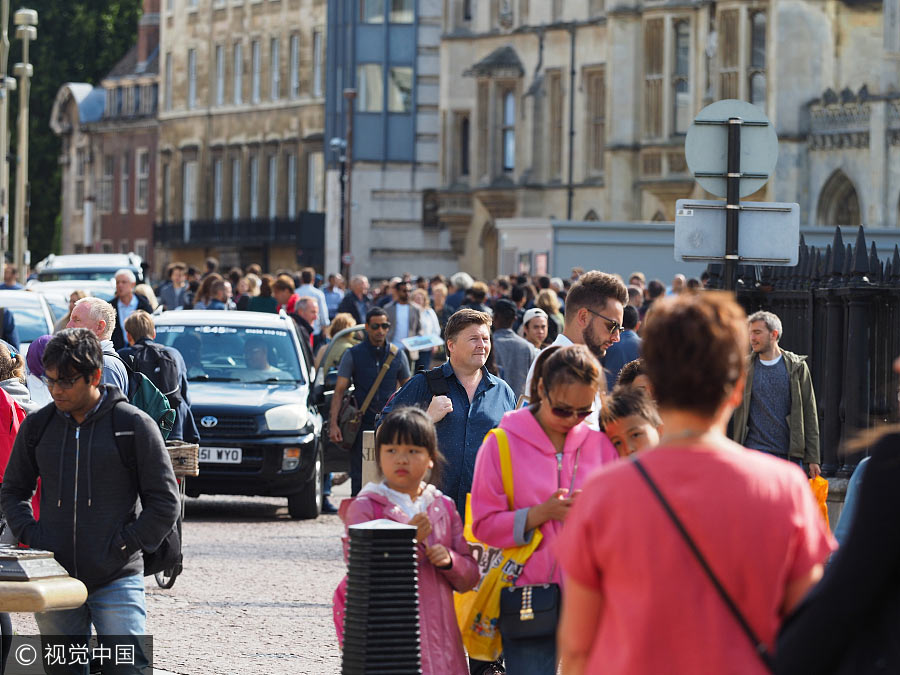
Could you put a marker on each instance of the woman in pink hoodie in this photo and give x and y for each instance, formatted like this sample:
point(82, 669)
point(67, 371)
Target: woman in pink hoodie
point(552, 453)
point(406, 449)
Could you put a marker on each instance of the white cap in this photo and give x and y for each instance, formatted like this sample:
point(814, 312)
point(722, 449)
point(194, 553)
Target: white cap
point(531, 313)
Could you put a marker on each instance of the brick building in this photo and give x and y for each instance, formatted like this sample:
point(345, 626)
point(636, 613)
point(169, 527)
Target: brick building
point(109, 149)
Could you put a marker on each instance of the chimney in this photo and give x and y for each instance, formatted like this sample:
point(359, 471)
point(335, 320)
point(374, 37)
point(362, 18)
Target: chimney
point(148, 33)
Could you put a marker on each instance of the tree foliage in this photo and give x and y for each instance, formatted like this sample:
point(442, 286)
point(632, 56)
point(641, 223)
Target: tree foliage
point(77, 41)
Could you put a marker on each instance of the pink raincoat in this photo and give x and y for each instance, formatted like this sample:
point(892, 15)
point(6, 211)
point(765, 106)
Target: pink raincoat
point(537, 474)
point(442, 648)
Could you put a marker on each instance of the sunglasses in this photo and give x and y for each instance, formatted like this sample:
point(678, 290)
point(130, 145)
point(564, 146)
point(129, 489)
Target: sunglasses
point(566, 413)
point(612, 326)
point(382, 326)
point(62, 383)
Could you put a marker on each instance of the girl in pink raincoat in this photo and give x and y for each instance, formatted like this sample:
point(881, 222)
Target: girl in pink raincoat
point(406, 450)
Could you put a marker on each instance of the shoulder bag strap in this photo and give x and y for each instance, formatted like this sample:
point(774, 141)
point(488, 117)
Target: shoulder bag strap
point(761, 650)
point(505, 463)
point(377, 383)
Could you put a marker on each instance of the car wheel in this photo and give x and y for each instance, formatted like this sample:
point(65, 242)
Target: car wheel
point(307, 503)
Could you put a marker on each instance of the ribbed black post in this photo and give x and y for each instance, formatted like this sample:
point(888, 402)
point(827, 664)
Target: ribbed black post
point(381, 619)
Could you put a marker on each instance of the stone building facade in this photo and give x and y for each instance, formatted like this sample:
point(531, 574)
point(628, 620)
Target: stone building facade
point(578, 110)
point(240, 169)
point(109, 151)
point(389, 53)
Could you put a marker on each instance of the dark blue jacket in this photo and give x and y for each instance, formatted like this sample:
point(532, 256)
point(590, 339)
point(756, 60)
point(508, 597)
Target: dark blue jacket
point(626, 350)
point(461, 432)
point(10, 333)
point(361, 363)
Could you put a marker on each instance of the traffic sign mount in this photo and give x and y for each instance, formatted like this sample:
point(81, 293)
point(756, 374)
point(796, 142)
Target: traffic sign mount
point(732, 149)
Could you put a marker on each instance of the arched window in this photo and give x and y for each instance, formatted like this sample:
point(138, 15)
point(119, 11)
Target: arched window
point(838, 202)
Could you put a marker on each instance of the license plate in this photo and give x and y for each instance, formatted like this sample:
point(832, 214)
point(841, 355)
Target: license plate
point(221, 455)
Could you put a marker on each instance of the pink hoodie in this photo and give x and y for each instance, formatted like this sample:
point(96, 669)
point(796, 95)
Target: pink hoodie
point(441, 644)
point(537, 474)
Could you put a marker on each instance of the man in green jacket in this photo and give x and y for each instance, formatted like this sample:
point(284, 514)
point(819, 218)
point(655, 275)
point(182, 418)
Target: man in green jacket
point(778, 413)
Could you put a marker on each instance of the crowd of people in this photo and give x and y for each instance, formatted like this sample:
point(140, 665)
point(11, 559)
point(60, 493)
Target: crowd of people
point(644, 476)
point(636, 456)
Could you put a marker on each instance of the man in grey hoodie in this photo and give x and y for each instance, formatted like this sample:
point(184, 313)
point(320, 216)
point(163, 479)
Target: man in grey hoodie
point(90, 484)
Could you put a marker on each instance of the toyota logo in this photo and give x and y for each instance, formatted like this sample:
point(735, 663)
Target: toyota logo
point(209, 421)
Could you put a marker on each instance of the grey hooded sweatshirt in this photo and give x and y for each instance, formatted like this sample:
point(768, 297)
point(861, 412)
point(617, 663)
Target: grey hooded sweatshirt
point(18, 392)
point(88, 494)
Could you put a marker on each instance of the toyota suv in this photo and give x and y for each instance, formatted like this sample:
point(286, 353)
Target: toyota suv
point(250, 396)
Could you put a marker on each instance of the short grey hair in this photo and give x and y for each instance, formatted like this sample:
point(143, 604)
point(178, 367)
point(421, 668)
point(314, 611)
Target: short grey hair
point(100, 310)
point(303, 301)
point(773, 323)
point(462, 280)
point(126, 273)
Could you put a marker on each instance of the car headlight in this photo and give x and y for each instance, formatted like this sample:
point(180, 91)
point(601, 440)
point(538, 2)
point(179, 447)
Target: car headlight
point(286, 417)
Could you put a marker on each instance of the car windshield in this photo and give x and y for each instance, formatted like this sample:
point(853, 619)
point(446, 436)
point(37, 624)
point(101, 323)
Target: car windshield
point(234, 353)
point(31, 322)
point(98, 274)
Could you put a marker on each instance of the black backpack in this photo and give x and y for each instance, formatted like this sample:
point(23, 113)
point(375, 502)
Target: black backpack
point(159, 366)
point(168, 555)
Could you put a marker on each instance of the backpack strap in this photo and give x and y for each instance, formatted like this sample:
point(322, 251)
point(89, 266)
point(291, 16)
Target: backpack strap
point(124, 440)
point(437, 383)
point(42, 419)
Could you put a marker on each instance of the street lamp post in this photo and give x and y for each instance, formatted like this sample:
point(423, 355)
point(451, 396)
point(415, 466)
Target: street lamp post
point(7, 84)
point(347, 257)
point(26, 22)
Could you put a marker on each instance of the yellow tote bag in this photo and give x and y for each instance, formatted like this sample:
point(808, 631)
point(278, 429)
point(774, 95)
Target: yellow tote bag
point(478, 610)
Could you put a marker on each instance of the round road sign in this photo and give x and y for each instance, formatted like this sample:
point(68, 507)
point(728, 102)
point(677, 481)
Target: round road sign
point(706, 146)
point(347, 259)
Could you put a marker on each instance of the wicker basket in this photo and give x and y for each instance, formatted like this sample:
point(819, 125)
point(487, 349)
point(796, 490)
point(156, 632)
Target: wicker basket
point(185, 457)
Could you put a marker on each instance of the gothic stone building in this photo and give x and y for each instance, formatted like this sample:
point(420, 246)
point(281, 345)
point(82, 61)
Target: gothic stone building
point(579, 110)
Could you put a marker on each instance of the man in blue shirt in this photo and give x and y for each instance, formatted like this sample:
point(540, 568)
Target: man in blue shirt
point(357, 301)
point(361, 365)
point(473, 403)
point(10, 279)
point(334, 293)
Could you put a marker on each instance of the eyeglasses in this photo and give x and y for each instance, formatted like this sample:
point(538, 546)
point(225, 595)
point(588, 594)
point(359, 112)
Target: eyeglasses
point(382, 326)
point(613, 326)
point(566, 413)
point(62, 383)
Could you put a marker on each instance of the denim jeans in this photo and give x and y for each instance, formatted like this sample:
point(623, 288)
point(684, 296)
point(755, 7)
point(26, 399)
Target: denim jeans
point(536, 656)
point(116, 609)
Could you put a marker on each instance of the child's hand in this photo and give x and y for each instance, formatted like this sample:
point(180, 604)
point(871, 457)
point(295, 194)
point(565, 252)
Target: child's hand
point(439, 556)
point(420, 520)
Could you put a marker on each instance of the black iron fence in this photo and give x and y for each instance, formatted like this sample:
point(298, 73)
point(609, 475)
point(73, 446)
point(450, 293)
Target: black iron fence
point(841, 307)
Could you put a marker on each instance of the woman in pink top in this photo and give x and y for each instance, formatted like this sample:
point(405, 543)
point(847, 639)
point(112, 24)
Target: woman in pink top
point(552, 452)
point(637, 600)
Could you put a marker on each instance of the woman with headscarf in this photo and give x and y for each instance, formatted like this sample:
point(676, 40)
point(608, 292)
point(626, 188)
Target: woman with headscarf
point(35, 369)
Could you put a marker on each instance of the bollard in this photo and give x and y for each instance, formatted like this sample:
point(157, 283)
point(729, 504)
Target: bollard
point(381, 618)
point(370, 472)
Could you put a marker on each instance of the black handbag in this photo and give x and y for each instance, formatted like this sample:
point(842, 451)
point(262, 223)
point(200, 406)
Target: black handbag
point(529, 611)
point(532, 611)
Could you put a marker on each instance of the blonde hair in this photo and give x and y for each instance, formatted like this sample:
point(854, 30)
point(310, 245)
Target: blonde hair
point(139, 325)
point(340, 322)
point(147, 292)
point(548, 301)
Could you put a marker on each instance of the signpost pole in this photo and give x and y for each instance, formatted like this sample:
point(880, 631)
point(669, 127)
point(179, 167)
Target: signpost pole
point(733, 203)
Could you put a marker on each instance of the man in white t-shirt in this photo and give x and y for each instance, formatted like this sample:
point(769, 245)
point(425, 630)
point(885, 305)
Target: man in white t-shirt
point(594, 313)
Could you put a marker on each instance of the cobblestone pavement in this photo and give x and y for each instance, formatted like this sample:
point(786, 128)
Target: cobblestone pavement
point(255, 595)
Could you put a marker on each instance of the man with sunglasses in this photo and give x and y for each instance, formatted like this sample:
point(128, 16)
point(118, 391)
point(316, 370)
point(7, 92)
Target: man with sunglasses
point(79, 447)
point(594, 315)
point(360, 365)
